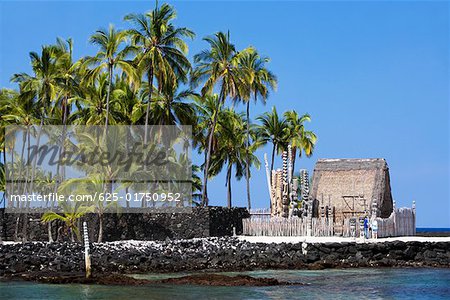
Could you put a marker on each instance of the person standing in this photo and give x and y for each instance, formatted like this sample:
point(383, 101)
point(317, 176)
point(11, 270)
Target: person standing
point(375, 228)
point(366, 227)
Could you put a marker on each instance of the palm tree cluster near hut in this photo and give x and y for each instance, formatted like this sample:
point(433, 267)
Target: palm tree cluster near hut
point(142, 76)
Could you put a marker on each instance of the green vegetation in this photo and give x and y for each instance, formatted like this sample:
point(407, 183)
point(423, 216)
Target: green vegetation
point(142, 76)
point(72, 213)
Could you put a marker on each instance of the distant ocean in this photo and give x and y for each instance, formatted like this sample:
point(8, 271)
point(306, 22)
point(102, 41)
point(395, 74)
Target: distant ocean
point(426, 229)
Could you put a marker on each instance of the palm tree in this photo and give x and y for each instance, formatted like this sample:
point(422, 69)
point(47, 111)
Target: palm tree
point(110, 56)
point(232, 150)
point(71, 213)
point(68, 86)
point(2, 187)
point(275, 130)
point(170, 107)
point(93, 104)
point(205, 107)
point(68, 82)
point(8, 99)
point(20, 111)
point(162, 52)
point(129, 101)
point(299, 138)
point(43, 87)
point(196, 185)
point(260, 81)
point(90, 185)
point(217, 67)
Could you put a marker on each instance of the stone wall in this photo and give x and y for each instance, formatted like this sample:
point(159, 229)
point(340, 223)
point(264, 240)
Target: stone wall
point(224, 253)
point(201, 222)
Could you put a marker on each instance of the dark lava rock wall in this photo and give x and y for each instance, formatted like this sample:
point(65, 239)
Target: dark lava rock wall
point(222, 220)
point(224, 253)
point(201, 222)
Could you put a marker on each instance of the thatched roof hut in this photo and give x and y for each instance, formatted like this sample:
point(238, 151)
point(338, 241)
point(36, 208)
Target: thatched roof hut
point(350, 186)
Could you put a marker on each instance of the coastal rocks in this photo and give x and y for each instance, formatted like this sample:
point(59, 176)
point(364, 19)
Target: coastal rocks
point(223, 280)
point(117, 279)
point(219, 253)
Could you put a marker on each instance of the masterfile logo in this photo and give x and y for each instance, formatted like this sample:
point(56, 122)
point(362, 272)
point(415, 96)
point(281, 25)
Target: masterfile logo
point(131, 167)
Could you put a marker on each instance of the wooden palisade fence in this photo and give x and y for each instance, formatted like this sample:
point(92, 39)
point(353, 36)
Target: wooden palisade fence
point(400, 223)
point(277, 226)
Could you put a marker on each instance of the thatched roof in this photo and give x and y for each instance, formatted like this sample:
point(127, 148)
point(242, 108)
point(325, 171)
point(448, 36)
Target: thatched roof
point(350, 185)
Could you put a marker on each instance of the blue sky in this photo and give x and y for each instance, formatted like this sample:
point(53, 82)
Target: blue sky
point(373, 75)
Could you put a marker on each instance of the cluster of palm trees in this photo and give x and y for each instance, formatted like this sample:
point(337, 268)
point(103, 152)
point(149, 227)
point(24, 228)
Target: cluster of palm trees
point(142, 76)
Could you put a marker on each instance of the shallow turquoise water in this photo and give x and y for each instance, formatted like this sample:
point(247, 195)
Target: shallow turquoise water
point(324, 284)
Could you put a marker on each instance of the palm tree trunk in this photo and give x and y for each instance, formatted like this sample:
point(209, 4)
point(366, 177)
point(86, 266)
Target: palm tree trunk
point(150, 90)
point(110, 70)
point(247, 167)
point(3, 225)
point(294, 154)
point(230, 167)
point(273, 158)
point(49, 232)
point(208, 153)
point(16, 228)
point(4, 154)
point(12, 169)
point(58, 166)
point(25, 184)
point(4, 169)
point(72, 237)
point(100, 228)
point(206, 188)
point(24, 141)
point(27, 169)
point(78, 229)
point(33, 173)
point(147, 113)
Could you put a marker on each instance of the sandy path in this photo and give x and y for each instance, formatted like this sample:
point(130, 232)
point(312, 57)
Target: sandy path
point(312, 239)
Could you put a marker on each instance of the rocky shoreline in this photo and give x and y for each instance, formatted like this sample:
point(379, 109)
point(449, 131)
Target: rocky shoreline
point(215, 254)
point(119, 279)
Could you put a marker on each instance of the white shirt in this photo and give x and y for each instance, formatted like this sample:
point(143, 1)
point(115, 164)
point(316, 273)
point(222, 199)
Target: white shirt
point(374, 225)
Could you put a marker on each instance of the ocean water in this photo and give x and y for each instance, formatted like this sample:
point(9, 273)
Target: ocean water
point(406, 283)
point(430, 229)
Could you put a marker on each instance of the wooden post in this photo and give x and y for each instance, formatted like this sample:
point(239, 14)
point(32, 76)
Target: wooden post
point(274, 211)
point(414, 217)
point(292, 188)
point(285, 186)
point(269, 185)
point(395, 218)
point(87, 258)
point(289, 165)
